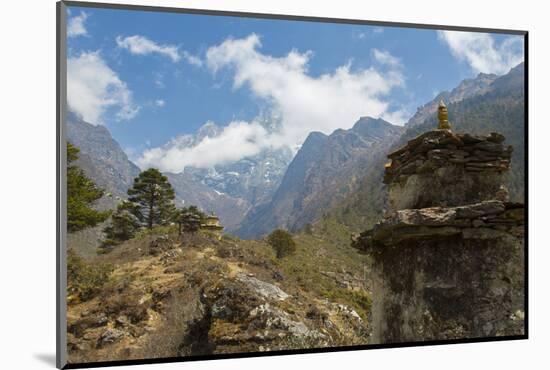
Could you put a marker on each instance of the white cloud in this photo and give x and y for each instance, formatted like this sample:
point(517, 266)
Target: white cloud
point(304, 102)
point(481, 51)
point(140, 45)
point(75, 25)
point(160, 103)
point(237, 140)
point(192, 59)
point(93, 87)
point(384, 57)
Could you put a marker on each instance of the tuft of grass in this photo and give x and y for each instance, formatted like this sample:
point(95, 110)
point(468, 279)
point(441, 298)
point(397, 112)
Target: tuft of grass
point(326, 250)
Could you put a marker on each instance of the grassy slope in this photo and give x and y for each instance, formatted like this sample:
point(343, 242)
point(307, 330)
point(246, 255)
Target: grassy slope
point(322, 273)
point(324, 265)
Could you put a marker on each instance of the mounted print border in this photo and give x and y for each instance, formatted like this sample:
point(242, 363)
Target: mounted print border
point(281, 237)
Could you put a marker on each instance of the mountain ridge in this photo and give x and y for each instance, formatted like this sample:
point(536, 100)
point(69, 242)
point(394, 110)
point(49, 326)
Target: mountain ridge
point(500, 108)
point(318, 176)
point(466, 88)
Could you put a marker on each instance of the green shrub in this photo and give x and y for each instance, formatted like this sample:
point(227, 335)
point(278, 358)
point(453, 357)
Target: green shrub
point(362, 300)
point(282, 242)
point(85, 280)
point(123, 226)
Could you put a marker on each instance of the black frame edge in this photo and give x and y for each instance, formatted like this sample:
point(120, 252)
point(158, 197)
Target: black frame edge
point(526, 186)
point(239, 355)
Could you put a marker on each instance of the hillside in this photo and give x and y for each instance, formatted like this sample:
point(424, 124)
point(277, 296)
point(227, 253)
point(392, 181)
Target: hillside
point(229, 209)
point(101, 158)
point(104, 161)
point(468, 88)
point(500, 108)
point(190, 295)
point(228, 190)
point(324, 171)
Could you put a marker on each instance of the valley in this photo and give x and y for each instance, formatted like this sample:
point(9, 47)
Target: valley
point(172, 288)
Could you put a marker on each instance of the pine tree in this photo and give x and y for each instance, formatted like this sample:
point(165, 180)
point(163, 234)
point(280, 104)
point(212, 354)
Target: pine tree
point(153, 198)
point(189, 219)
point(282, 242)
point(123, 226)
point(82, 193)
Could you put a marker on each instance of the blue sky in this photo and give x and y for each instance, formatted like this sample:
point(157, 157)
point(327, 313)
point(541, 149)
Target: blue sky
point(153, 78)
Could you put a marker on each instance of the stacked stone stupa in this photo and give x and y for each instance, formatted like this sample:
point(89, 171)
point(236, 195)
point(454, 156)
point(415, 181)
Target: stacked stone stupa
point(449, 254)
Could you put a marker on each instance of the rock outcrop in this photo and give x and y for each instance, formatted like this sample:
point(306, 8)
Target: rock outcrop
point(449, 254)
point(189, 294)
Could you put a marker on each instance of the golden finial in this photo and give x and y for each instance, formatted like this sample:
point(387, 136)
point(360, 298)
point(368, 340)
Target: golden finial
point(443, 116)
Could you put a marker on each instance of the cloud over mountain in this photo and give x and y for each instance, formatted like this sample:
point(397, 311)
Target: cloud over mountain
point(305, 102)
point(237, 140)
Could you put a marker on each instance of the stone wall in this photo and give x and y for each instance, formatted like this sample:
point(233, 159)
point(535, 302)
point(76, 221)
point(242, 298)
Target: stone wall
point(448, 258)
point(447, 169)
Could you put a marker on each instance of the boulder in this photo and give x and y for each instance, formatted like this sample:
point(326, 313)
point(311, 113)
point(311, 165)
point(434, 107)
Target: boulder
point(109, 336)
point(263, 288)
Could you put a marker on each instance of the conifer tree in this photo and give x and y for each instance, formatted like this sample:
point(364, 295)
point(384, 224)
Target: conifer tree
point(153, 198)
point(189, 219)
point(282, 243)
point(123, 225)
point(82, 193)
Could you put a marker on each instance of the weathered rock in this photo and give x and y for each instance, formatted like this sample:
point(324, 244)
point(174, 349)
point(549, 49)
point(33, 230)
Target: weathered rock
point(262, 288)
point(272, 318)
point(109, 336)
point(90, 321)
point(438, 222)
point(122, 321)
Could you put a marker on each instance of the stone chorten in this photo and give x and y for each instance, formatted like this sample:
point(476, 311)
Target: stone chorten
point(448, 257)
point(212, 224)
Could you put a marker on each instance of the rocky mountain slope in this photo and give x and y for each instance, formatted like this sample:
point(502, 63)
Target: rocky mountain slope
point(104, 161)
point(193, 295)
point(101, 158)
point(499, 109)
point(246, 183)
point(466, 89)
point(189, 191)
point(337, 174)
point(252, 178)
point(323, 172)
point(502, 109)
